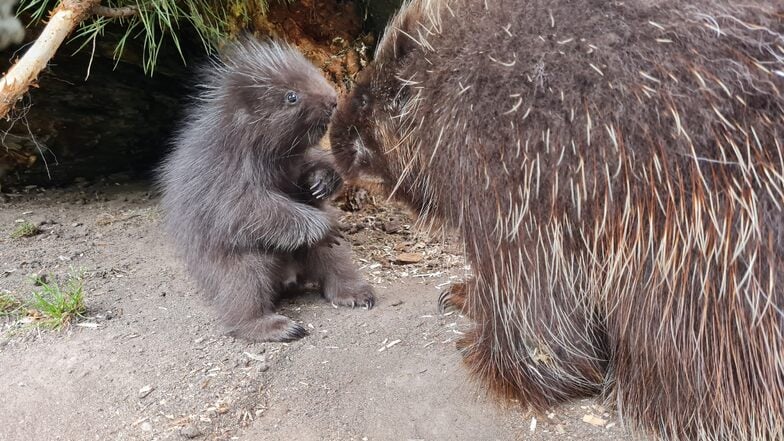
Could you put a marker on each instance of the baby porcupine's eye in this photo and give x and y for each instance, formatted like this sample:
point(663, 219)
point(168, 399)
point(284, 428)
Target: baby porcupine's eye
point(291, 97)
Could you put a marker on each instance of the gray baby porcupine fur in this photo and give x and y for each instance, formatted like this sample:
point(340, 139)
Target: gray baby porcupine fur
point(233, 190)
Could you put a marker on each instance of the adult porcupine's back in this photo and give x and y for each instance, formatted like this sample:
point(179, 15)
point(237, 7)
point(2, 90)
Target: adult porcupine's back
point(617, 172)
point(241, 134)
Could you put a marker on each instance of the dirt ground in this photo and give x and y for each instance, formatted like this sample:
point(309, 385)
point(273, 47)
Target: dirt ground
point(150, 361)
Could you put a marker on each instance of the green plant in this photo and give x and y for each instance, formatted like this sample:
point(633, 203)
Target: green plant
point(9, 304)
point(154, 20)
point(25, 229)
point(56, 306)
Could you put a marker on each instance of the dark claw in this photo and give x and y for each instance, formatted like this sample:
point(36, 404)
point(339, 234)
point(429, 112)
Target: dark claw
point(295, 332)
point(370, 303)
point(443, 300)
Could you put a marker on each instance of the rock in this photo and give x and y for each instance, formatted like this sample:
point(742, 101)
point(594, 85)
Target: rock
point(146, 426)
point(407, 258)
point(391, 227)
point(190, 431)
point(143, 392)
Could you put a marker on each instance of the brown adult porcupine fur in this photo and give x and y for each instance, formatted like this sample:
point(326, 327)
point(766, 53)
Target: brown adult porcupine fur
point(616, 170)
point(244, 190)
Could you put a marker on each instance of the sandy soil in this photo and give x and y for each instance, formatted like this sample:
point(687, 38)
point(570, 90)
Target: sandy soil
point(149, 360)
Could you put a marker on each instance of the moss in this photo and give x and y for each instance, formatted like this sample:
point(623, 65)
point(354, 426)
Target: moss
point(25, 229)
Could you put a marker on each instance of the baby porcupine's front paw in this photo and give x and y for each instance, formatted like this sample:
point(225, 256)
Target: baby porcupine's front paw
point(332, 238)
point(323, 183)
point(353, 296)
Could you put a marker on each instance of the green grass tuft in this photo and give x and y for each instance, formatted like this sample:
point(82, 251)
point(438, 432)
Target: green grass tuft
point(25, 229)
point(58, 306)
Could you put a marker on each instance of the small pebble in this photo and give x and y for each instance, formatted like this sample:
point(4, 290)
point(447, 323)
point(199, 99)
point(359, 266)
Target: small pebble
point(190, 431)
point(391, 227)
point(146, 426)
point(143, 392)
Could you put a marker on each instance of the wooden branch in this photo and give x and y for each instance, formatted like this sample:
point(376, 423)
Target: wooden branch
point(124, 12)
point(22, 75)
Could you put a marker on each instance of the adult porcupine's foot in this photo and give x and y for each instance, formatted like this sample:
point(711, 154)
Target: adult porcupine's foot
point(453, 297)
point(271, 327)
point(353, 296)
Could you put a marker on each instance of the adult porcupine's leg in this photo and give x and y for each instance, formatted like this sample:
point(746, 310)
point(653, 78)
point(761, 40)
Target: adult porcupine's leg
point(341, 284)
point(542, 348)
point(245, 293)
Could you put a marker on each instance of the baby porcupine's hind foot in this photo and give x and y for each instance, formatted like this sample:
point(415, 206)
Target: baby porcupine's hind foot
point(270, 327)
point(341, 284)
point(453, 297)
point(353, 295)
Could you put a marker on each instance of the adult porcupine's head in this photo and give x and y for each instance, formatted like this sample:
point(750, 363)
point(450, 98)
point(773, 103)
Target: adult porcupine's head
point(269, 96)
point(376, 115)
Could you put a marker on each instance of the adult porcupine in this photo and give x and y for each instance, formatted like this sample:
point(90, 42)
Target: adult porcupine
point(616, 170)
point(232, 190)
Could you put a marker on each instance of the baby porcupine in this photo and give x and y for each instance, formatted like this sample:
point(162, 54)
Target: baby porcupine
point(244, 190)
point(616, 171)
